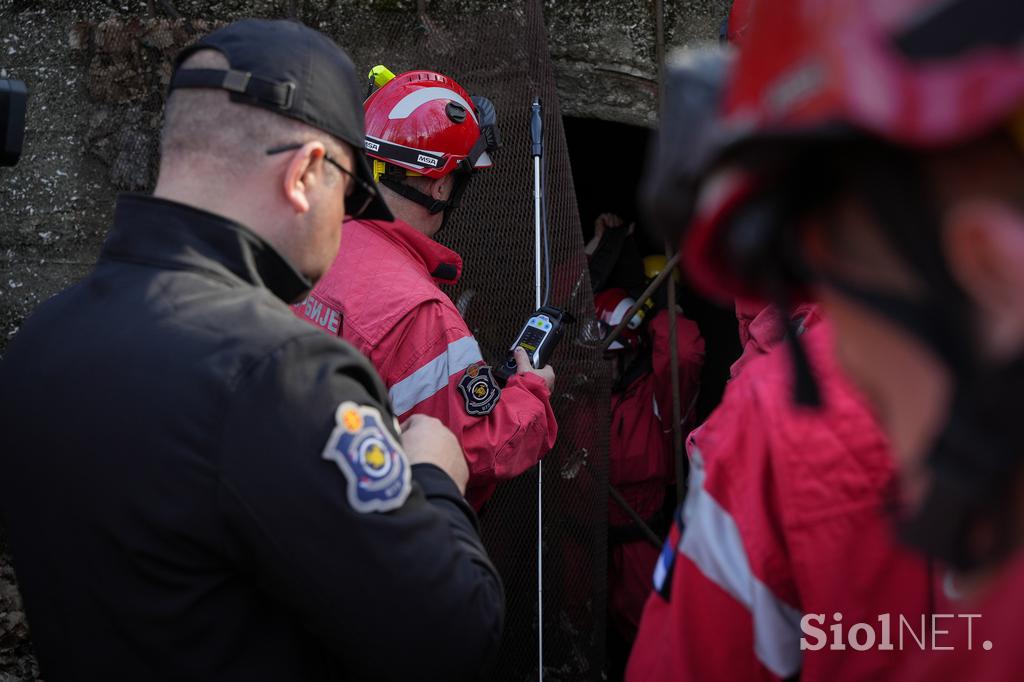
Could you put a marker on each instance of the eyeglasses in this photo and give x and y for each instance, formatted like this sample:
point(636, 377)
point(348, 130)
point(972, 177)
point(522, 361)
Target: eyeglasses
point(360, 192)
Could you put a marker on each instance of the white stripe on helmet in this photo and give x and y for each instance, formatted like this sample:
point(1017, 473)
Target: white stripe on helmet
point(417, 98)
point(620, 311)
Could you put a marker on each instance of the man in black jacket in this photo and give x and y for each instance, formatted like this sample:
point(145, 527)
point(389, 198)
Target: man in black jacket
point(196, 484)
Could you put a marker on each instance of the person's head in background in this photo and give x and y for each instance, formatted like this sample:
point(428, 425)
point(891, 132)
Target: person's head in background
point(612, 305)
point(617, 279)
point(901, 208)
point(260, 127)
point(629, 353)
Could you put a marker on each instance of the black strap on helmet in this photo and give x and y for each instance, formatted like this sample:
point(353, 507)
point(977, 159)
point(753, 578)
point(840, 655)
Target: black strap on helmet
point(403, 154)
point(394, 179)
point(433, 205)
point(764, 254)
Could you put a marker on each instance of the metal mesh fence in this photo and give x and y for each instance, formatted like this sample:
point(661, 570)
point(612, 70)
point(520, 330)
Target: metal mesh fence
point(124, 60)
point(503, 54)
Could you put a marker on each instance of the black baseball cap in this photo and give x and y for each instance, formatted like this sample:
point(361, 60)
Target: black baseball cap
point(294, 71)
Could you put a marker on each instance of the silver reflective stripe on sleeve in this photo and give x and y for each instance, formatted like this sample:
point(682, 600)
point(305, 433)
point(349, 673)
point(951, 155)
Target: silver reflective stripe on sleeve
point(712, 541)
point(433, 376)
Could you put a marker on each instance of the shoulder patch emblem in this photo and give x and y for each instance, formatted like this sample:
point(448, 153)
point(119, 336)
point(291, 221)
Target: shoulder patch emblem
point(479, 390)
point(371, 459)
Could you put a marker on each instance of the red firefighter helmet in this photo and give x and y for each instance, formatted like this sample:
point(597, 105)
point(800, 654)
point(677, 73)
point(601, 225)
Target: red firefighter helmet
point(914, 73)
point(428, 124)
point(612, 305)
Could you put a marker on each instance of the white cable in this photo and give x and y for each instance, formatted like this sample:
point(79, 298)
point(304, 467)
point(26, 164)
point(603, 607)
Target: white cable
point(540, 466)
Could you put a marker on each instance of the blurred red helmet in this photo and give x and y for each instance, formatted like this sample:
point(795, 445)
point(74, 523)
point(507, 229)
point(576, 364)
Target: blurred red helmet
point(912, 73)
point(612, 305)
point(427, 123)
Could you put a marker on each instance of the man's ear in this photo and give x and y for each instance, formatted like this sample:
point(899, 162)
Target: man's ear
point(441, 188)
point(299, 173)
point(984, 244)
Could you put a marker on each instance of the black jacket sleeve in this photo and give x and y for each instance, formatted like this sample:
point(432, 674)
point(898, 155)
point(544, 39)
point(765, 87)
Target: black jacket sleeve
point(398, 595)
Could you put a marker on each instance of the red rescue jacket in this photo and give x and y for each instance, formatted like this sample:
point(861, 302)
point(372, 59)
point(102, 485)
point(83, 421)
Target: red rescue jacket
point(641, 465)
point(382, 295)
point(640, 447)
point(785, 516)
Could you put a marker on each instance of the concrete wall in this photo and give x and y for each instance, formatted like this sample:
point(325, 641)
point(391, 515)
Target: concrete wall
point(97, 71)
point(604, 52)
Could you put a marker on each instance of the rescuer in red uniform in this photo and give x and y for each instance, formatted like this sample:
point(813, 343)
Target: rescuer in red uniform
point(872, 157)
point(785, 516)
point(427, 137)
point(640, 449)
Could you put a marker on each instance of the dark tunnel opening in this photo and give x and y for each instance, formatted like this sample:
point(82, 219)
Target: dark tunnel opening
point(607, 167)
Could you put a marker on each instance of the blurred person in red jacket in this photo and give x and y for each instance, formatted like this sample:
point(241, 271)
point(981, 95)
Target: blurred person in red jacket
point(876, 164)
point(427, 137)
point(785, 515)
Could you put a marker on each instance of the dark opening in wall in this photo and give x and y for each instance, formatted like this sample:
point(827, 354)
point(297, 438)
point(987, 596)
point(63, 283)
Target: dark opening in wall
point(607, 168)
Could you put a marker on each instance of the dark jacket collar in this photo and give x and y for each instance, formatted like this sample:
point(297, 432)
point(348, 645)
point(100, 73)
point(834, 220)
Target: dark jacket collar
point(441, 263)
point(165, 233)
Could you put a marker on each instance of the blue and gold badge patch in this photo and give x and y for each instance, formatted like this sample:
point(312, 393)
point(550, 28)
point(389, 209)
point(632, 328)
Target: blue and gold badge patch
point(479, 390)
point(371, 459)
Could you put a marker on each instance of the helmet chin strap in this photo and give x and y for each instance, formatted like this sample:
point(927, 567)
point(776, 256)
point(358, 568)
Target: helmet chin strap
point(967, 518)
point(433, 206)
